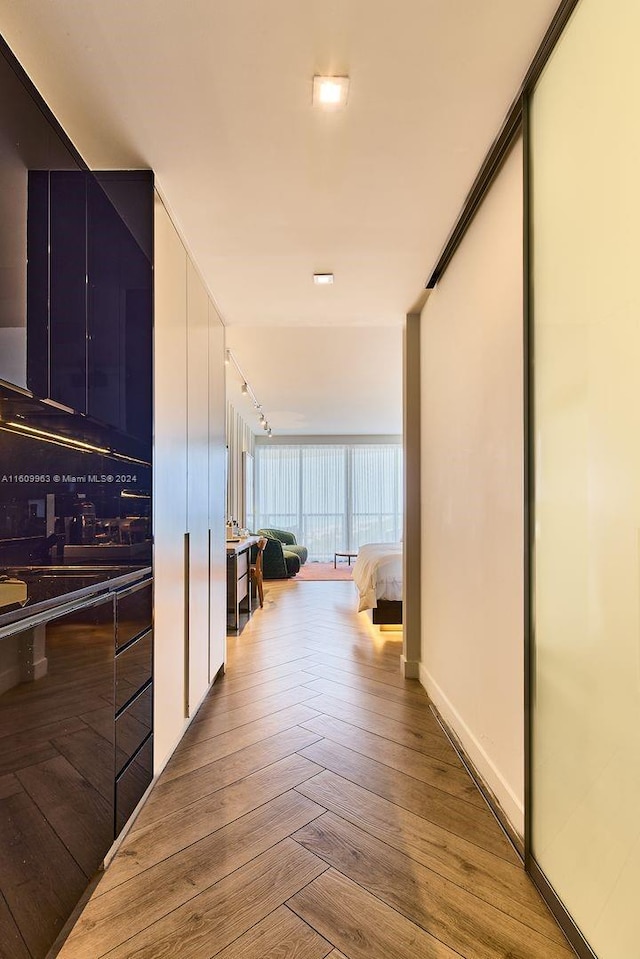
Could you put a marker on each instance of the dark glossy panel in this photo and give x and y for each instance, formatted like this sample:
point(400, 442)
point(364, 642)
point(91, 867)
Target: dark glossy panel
point(138, 367)
point(134, 612)
point(38, 283)
point(42, 487)
point(133, 725)
point(28, 142)
point(56, 824)
point(68, 289)
point(134, 667)
point(131, 193)
point(119, 306)
point(132, 783)
point(106, 301)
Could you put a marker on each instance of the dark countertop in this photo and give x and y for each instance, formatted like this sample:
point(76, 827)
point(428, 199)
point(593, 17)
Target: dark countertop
point(52, 589)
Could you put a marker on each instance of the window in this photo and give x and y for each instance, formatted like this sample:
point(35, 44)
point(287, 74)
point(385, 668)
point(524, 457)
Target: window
point(331, 497)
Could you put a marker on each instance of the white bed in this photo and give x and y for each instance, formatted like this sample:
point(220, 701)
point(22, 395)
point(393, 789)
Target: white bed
point(377, 573)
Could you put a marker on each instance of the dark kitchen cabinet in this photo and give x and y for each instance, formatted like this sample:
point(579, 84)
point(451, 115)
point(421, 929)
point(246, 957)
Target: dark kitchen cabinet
point(133, 698)
point(68, 289)
point(57, 766)
point(37, 318)
point(76, 756)
point(90, 294)
point(30, 141)
point(132, 783)
point(134, 613)
point(119, 309)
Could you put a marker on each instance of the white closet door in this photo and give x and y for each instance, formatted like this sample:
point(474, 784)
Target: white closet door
point(198, 485)
point(217, 494)
point(170, 482)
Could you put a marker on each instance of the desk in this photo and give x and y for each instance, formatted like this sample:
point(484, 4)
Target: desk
point(350, 556)
point(238, 585)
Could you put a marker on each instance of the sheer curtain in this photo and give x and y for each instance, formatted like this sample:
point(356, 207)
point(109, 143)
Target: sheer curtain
point(332, 497)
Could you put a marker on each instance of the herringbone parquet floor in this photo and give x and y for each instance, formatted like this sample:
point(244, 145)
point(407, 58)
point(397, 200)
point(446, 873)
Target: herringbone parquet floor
point(314, 809)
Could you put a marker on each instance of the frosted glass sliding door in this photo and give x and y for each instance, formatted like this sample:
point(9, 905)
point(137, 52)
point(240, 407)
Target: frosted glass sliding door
point(584, 142)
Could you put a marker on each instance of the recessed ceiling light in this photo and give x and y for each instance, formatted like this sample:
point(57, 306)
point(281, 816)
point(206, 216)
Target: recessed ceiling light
point(323, 279)
point(330, 91)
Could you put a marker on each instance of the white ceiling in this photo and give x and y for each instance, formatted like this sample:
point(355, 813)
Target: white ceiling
point(346, 377)
point(215, 96)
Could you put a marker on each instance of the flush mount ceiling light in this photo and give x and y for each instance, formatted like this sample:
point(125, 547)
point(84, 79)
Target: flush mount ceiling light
point(323, 279)
point(330, 92)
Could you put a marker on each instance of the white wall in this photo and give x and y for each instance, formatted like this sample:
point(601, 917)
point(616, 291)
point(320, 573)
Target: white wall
point(472, 658)
point(240, 440)
point(189, 489)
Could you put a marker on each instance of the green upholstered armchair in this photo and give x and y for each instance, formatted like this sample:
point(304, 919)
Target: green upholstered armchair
point(277, 562)
point(288, 540)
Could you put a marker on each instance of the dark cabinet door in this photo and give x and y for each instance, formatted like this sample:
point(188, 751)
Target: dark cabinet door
point(68, 289)
point(138, 355)
point(57, 765)
point(119, 316)
point(90, 294)
point(105, 315)
point(38, 282)
point(134, 612)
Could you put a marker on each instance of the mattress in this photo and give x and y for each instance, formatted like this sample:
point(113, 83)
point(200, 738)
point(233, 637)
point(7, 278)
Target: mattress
point(377, 573)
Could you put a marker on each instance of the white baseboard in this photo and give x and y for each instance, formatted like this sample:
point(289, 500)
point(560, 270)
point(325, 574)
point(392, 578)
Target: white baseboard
point(510, 806)
point(410, 667)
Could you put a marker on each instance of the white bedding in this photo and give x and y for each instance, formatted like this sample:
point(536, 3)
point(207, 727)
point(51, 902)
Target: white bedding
point(377, 573)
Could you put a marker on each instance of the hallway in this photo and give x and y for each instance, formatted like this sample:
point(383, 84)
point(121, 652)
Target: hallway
point(315, 808)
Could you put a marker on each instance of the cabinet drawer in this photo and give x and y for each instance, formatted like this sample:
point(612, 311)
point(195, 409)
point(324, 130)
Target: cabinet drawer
point(242, 564)
point(243, 587)
point(134, 612)
point(133, 725)
point(132, 783)
point(134, 667)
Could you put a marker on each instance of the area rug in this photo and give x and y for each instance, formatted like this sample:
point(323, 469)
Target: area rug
point(316, 572)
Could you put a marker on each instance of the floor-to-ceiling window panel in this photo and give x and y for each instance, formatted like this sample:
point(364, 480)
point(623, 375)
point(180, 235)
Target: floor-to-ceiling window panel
point(323, 519)
point(585, 210)
point(277, 488)
point(376, 500)
point(332, 497)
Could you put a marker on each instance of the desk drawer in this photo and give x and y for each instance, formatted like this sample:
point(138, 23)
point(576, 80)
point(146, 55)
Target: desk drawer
point(243, 587)
point(242, 563)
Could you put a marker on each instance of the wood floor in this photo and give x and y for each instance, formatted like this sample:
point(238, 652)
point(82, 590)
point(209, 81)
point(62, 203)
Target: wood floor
point(314, 809)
